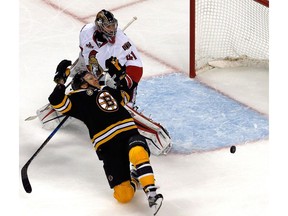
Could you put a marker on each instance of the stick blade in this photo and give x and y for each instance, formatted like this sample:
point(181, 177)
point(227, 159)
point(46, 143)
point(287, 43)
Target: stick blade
point(25, 180)
point(31, 118)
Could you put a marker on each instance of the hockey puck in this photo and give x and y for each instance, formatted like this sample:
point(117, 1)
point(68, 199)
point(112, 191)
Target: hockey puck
point(233, 149)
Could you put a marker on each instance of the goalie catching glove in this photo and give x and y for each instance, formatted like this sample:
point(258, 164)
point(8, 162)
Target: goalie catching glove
point(62, 71)
point(115, 69)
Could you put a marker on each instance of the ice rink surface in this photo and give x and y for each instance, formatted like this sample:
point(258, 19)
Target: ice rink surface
point(67, 178)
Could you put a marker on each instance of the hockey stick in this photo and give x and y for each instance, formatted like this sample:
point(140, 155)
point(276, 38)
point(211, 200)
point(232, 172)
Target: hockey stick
point(24, 170)
point(57, 117)
point(129, 23)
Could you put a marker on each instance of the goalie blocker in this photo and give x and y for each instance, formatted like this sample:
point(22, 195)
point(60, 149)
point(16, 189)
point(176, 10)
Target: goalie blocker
point(156, 135)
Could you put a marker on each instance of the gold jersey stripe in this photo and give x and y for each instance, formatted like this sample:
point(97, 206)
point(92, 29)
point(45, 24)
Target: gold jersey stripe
point(64, 107)
point(67, 109)
point(62, 103)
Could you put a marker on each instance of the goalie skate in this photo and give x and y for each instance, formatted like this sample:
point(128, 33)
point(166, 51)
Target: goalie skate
point(157, 137)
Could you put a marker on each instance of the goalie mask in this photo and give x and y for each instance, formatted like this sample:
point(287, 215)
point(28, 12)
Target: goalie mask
point(107, 24)
point(78, 80)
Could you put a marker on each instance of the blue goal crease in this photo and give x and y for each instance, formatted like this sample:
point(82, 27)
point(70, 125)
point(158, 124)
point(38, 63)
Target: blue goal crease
point(197, 117)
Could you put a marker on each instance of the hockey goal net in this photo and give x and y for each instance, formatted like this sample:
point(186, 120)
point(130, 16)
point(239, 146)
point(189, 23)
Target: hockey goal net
point(225, 33)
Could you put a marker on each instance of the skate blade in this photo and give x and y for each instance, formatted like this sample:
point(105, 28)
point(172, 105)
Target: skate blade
point(155, 208)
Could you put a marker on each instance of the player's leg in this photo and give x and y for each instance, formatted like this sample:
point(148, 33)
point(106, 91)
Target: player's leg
point(139, 156)
point(117, 170)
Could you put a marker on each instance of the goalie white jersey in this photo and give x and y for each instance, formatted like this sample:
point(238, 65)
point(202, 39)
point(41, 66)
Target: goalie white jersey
point(95, 49)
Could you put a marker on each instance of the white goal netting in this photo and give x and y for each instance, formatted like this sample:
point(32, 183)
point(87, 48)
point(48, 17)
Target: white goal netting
point(231, 33)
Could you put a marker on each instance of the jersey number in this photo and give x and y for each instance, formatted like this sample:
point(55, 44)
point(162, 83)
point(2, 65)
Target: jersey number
point(131, 56)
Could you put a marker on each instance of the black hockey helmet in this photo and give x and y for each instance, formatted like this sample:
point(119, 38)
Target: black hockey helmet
point(78, 80)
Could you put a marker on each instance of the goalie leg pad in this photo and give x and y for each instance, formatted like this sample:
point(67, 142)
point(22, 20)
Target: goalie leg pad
point(157, 137)
point(50, 118)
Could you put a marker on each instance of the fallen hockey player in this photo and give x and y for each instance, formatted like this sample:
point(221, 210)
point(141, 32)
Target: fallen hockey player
point(112, 130)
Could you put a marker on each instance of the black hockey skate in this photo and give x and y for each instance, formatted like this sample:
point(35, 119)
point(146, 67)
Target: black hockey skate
point(155, 202)
point(154, 199)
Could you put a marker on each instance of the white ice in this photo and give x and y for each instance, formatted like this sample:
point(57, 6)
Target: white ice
point(67, 178)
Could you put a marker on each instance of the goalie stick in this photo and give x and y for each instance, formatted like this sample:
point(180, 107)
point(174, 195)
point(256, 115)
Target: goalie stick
point(129, 23)
point(24, 170)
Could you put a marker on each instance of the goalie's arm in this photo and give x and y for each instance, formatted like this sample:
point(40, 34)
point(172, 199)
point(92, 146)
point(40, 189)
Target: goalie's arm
point(133, 75)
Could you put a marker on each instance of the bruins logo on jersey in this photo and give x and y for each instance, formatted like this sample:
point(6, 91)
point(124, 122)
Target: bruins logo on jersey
point(106, 102)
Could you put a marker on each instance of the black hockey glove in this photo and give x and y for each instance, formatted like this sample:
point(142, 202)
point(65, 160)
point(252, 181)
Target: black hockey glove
point(62, 72)
point(115, 69)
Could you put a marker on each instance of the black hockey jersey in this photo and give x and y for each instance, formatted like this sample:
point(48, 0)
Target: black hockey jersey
point(100, 110)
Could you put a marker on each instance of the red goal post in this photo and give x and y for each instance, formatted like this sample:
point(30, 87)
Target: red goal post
point(263, 2)
point(223, 31)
